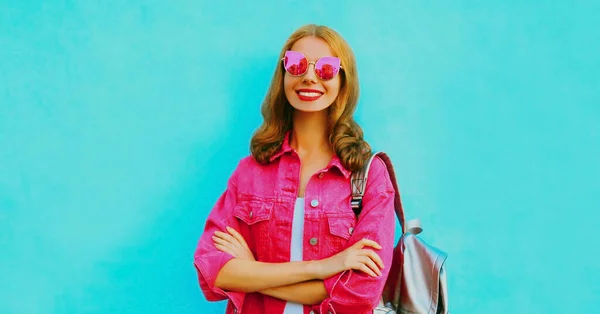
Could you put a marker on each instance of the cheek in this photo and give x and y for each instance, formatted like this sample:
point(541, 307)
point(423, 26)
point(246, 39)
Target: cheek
point(288, 87)
point(333, 87)
point(288, 82)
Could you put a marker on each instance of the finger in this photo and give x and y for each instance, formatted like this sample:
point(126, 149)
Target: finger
point(233, 250)
point(232, 244)
point(366, 242)
point(225, 236)
point(366, 270)
point(239, 237)
point(369, 262)
point(234, 240)
point(222, 242)
point(374, 256)
point(225, 249)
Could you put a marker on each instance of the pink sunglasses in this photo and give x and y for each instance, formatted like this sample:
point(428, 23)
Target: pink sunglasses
point(296, 64)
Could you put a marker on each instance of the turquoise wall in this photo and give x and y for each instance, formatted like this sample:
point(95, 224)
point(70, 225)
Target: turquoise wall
point(120, 122)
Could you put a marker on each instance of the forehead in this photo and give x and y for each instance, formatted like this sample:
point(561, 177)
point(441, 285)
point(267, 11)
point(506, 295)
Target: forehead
point(313, 48)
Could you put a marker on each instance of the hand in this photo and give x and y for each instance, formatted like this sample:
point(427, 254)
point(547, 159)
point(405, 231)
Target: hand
point(355, 257)
point(232, 243)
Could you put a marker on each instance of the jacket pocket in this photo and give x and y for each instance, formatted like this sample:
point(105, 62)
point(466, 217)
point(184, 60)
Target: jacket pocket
point(251, 212)
point(255, 226)
point(340, 227)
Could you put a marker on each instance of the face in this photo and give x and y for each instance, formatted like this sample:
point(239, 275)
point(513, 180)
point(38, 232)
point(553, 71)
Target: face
point(308, 92)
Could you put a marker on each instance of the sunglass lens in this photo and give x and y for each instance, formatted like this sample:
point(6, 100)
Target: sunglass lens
point(295, 63)
point(327, 68)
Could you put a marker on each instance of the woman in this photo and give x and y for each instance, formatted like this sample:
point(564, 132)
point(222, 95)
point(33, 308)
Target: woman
point(283, 238)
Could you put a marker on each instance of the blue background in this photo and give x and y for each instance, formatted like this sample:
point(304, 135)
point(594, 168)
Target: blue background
point(120, 122)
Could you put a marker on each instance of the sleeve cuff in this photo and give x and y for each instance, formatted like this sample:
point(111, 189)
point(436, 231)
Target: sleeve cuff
point(213, 293)
point(330, 284)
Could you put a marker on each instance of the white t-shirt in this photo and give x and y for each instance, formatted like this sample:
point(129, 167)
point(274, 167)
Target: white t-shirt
point(296, 249)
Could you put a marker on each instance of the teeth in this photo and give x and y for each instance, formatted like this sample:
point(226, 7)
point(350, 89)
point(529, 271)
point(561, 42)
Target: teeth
point(309, 94)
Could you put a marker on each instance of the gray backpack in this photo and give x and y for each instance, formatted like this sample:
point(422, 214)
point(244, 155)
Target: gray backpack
point(417, 279)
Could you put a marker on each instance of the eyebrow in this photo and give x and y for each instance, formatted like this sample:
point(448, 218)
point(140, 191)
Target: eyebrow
point(314, 60)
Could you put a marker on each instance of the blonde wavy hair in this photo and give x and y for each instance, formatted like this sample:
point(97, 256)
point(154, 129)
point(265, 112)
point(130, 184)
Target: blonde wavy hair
point(345, 135)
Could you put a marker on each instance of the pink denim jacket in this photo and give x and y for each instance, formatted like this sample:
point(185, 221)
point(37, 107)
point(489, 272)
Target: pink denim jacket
point(259, 203)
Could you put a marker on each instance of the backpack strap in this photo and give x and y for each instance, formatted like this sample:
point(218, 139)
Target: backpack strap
point(359, 184)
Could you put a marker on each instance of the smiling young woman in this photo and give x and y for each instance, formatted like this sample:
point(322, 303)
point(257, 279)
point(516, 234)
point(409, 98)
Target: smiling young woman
point(283, 238)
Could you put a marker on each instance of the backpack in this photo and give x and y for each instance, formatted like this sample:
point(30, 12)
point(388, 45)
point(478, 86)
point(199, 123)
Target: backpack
point(417, 279)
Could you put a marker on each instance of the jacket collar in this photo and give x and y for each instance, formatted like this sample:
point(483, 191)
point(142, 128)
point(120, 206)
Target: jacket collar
point(286, 149)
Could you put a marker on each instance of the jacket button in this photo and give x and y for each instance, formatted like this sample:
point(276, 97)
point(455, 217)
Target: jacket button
point(250, 215)
point(235, 311)
point(312, 312)
point(314, 203)
point(350, 230)
point(321, 175)
point(313, 241)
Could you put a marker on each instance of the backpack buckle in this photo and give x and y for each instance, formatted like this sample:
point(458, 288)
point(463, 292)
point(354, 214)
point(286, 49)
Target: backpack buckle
point(356, 204)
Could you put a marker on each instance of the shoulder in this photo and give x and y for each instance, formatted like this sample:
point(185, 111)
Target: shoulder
point(379, 180)
point(247, 162)
point(248, 167)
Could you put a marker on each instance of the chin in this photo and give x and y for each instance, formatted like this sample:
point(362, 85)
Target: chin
point(307, 107)
point(311, 106)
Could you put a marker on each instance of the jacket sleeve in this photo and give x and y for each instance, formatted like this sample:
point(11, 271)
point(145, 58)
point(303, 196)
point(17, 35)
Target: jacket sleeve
point(354, 291)
point(207, 259)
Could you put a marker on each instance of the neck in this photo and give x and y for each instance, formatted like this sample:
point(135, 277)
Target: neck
point(310, 133)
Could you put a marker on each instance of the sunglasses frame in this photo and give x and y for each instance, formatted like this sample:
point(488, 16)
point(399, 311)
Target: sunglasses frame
point(308, 65)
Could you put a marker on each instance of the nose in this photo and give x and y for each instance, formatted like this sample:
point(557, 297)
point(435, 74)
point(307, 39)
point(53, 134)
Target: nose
point(310, 76)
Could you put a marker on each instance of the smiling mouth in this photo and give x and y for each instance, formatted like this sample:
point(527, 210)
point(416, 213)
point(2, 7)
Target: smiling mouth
point(308, 96)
